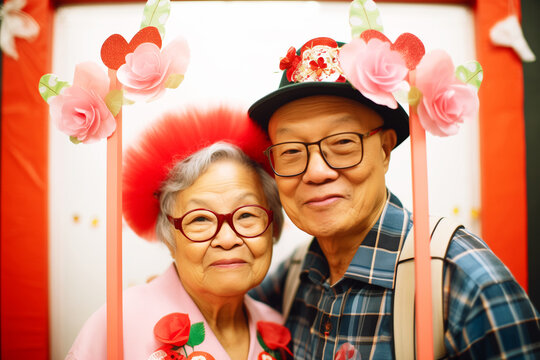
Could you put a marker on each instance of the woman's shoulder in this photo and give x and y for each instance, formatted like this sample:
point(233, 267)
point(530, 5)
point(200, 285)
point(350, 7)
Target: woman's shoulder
point(143, 305)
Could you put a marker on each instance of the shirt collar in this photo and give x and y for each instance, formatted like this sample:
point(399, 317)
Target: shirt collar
point(376, 258)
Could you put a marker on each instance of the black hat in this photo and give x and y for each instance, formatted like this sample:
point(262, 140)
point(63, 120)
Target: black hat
point(317, 72)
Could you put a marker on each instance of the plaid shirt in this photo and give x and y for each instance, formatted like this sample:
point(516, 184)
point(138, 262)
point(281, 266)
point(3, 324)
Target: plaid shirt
point(487, 313)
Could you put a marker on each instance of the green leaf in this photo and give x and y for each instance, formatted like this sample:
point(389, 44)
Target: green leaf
point(174, 80)
point(114, 101)
point(364, 15)
point(50, 86)
point(128, 101)
point(470, 73)
point(156, 13)
point(414, 96)
point(74, 140)
point(196, 334)
point(263, 345)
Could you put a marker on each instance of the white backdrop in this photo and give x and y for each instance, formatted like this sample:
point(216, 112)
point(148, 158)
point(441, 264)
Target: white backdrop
point(236, 48)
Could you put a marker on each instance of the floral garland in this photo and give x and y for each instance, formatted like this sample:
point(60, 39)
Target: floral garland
point(86, 110)
point(444, 97)
point(175, 332)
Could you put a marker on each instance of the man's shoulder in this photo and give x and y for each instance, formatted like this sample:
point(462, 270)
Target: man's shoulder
point(472, 258)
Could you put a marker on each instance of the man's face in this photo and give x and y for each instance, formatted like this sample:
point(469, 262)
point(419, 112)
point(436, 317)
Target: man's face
point(322, 201)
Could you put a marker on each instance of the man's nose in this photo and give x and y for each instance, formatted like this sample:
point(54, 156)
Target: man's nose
point(318, 171)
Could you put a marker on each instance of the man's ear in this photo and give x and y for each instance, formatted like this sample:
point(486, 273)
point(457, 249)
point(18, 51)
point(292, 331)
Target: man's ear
point(388, 142)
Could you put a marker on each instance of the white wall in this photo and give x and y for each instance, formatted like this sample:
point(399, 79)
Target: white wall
point(236, 47)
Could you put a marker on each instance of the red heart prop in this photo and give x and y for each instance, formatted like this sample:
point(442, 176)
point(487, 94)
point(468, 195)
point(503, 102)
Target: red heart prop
point(411, 48)
point(115, 48)
point(367, 35)
point(407, 44)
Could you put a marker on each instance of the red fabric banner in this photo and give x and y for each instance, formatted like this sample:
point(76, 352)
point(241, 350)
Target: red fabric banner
point(24, 255)
point(502, 142)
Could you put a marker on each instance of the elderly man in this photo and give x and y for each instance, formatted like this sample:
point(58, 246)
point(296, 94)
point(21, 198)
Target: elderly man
point(331, 150)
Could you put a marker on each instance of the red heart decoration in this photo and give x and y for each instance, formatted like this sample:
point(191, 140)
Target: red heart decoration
point(367, 35)
point(411, 48)
point(115, 48)
point(407, 44)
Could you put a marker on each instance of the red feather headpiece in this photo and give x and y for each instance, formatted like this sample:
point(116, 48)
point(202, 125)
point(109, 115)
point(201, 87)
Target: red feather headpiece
point(172, 138)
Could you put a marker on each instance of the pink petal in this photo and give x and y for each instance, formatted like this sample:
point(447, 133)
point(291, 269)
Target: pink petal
point(177, 51)
point(435, 67)
point(90, 76)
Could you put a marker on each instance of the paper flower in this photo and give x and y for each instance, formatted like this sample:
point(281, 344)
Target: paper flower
point(273, 338)
point(446, 101)
point(166, 352)
point(200, 355)
point(148, 71)
point(347, 352)
point(176, 332)
point(173, 329)
point(374, 69)
point(289, 62)
point(80, 110)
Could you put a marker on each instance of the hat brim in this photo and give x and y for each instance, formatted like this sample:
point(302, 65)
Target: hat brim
point(262, 110)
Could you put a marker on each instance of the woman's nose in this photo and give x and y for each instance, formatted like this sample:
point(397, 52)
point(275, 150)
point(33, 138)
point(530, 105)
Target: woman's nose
point(226, 237)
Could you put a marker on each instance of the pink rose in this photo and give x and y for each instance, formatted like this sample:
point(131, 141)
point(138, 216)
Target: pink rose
point(446, 101)
point(374, 69)
point(147, 71)
point(80, 110)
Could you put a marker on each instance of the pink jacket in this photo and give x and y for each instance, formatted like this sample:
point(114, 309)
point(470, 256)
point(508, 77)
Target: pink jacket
point(144, 305)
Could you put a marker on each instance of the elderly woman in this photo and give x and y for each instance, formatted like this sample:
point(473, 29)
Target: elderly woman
point(189, 183)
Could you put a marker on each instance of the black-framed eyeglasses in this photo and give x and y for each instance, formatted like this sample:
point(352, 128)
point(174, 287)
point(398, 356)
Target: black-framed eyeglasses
point(339, 151)
point(247, 221)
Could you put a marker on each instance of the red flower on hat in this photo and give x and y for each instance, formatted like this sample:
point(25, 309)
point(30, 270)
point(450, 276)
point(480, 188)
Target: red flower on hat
point(289, 62)
point(173, 329)
point(318, 66)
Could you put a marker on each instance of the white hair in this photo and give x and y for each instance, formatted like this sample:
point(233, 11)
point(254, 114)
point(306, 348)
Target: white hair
point(184, 173)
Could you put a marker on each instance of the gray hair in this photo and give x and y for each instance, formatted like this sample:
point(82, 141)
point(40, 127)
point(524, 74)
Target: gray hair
point(184, 173)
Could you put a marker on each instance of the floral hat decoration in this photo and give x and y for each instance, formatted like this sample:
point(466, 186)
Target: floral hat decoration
point(375, 71)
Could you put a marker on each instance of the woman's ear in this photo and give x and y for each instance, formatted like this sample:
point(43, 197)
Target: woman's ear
point(172, 250)
point(388, 142)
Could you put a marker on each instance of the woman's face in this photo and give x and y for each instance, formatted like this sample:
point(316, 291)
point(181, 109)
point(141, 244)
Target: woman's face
point(226, 265)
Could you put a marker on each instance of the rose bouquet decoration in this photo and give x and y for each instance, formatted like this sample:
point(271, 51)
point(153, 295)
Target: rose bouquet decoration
point(176, 332)
point(274, 339)
point(381, 70)
point(86, 110)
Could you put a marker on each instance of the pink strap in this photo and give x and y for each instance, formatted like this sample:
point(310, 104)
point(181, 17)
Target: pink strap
point(423, 311)
point(115, 349)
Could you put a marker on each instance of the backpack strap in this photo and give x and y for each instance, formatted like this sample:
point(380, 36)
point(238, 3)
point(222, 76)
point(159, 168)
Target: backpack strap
point(442, 230)
point(292, 280)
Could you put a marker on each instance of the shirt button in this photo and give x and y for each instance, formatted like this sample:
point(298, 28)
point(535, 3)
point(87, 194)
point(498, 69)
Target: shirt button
point(327, 326)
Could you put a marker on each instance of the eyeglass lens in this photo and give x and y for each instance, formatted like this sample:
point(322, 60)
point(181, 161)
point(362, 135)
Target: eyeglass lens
point(339, 151)
point(248, 221)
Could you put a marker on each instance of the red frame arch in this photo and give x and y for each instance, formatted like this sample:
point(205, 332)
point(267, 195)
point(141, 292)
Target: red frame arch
point(24, 171)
